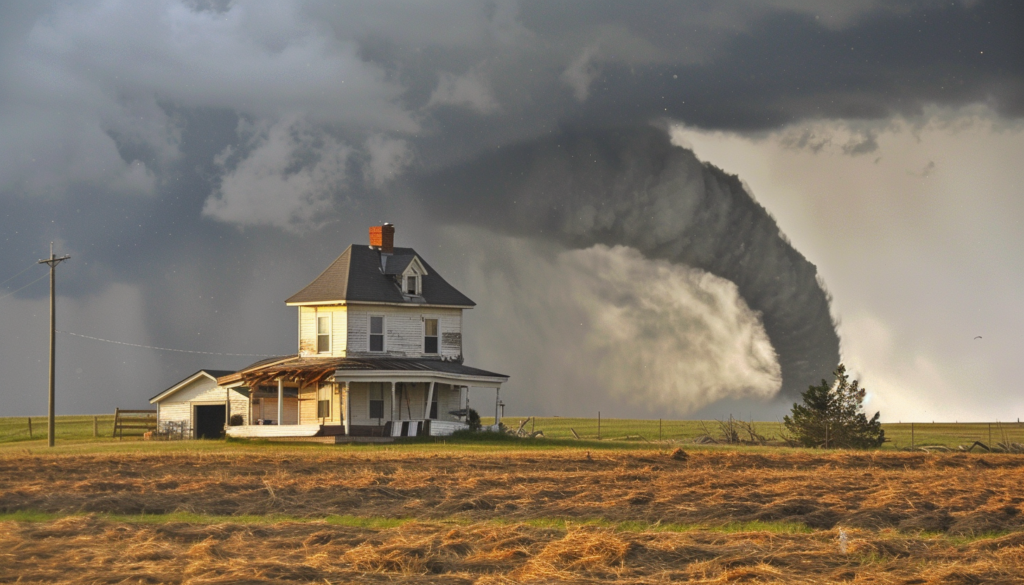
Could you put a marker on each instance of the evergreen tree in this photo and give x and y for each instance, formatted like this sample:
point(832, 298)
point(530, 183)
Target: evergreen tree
point(832, 416)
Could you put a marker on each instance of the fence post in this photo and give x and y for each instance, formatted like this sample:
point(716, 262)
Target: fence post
point(30, 427)
point(599, 425)
point(95, 426)
point(659, 430)
point(911, 435)
point(989, 434)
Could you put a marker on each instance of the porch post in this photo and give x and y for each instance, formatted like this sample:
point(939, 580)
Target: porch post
point(430, 397)
point(346, 407)
point(393, 403)
point(497, 403)
point(280, 401)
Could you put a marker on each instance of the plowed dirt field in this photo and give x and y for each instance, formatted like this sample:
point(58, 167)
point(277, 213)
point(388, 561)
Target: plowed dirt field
point(500, 517)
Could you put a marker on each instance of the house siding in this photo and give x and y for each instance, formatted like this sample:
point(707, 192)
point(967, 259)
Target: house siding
point(307, 406)
point(359, 400)
point(178, 406)
point(403, 330)
point(448, 398)
point(307, 330)
point(291, 410)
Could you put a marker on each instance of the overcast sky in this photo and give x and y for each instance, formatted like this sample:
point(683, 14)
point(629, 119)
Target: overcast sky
point(651, 203)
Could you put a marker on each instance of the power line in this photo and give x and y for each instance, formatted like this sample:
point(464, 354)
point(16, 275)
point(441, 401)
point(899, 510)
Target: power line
point(18, 274)
point(163, 348)
point(26, 286)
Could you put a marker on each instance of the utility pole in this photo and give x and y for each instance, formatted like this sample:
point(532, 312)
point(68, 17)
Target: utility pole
point(52, 262)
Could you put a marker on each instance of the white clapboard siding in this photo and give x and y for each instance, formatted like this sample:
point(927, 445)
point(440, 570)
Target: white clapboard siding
point(307, 406)
point(447, 400)
point(291, 410)
point(308, 329)
point(203, 390)
point(445, 428)
point(403, 330)
point(239, 405)
point(360, 400)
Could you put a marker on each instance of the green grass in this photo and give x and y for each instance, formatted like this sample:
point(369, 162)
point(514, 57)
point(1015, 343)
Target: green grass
point(378, 522)
point(75, 433)
point(900, 435)
point(190, 518)
point(67, 428)
point(561, 524)
point(952, 434)
point(624, 429)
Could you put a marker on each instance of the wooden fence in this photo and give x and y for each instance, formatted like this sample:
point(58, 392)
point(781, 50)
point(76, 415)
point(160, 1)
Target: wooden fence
point(136, 421)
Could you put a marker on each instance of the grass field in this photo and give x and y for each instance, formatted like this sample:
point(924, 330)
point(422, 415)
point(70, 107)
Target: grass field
point(900, 435)
point(489, 512)
point(75, 428)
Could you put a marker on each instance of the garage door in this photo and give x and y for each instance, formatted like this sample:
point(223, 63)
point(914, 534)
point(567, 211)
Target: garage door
point(209, 423)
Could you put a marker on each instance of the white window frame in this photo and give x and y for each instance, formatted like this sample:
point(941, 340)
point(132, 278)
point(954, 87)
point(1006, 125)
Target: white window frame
point(330, 332)
point(417, 288)
point(423, 335)
point(383, 333)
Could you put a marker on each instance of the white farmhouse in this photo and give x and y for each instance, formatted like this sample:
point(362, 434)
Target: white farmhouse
point(379, 355)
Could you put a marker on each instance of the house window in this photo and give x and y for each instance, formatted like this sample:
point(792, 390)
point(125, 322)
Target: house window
point(376, 400)
point(430, 336)
point(410, 284)
point(323, 334)
point(377, 333)
point(323, 409)
point(376, 408)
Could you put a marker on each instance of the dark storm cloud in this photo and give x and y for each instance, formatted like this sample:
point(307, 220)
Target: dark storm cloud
point(132, 132)
point(634, 188)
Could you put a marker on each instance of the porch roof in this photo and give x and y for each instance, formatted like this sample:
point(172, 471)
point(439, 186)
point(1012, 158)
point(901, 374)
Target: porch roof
point(311, 370)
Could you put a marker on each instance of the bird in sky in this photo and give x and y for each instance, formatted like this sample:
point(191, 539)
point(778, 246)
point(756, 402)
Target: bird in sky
point(977, 337)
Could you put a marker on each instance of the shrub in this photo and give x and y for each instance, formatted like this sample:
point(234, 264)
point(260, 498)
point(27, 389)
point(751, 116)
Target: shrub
point(473, 420)
point(832, 416)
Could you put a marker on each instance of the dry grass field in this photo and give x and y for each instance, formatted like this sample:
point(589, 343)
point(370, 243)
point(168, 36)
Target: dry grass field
point(231, 513)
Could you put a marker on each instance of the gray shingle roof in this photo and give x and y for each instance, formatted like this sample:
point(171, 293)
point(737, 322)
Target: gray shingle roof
point(396, 265)
point(357, 276)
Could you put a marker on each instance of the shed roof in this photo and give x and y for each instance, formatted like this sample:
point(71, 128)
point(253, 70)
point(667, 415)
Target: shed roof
point(358, 275)
point(213, 374)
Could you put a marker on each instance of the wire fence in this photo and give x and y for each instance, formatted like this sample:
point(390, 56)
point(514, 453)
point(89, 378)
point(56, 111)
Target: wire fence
point(898, 435)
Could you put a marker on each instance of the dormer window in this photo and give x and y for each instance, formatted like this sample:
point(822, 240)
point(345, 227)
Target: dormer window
point(412, 284)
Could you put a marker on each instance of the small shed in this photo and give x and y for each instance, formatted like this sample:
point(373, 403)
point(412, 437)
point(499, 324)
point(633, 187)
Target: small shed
point(197, 407)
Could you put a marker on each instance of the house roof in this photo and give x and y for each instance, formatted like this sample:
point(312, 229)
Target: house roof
point(396, 265)
point(359, 276)
point(212, 374)
point(309, 370)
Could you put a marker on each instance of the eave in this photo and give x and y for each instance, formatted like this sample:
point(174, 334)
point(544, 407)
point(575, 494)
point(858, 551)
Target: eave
point(343, 303)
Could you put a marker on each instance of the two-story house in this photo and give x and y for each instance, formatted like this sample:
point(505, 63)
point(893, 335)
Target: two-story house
point(379, 354)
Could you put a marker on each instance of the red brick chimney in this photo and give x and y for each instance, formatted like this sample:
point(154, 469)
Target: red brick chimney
point(383, 237)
